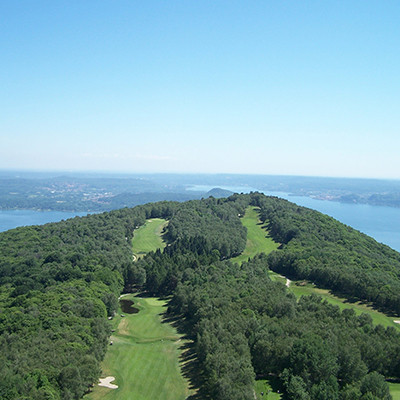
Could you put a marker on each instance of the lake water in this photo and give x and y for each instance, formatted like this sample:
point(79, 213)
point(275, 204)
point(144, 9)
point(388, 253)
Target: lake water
point(382, 223)
point(10, 219)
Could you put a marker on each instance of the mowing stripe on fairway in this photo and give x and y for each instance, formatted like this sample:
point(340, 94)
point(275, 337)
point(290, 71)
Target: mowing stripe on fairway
point(148, 237)
point(258, 238)
point(258, 241)
point(144, 357)
point(395, 390)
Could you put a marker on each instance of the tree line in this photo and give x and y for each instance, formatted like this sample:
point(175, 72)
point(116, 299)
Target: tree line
point(335, 256)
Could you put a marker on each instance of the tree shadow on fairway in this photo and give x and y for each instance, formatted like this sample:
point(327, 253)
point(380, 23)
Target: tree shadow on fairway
point(191, 371)
point(188, 361)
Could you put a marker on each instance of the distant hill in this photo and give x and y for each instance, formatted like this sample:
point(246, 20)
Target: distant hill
point(104, 192)
point(218, 193)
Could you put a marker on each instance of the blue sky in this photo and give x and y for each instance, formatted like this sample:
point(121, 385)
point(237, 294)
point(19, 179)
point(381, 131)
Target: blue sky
point(266, 87)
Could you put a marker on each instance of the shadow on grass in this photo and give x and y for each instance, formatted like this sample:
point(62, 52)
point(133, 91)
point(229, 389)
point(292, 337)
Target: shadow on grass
point(345, 298)
point(275, 384)
point(267, 383)
point(188, 360)
point(139, 292)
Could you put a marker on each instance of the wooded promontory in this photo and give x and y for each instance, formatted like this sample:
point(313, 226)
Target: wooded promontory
point(59, 283)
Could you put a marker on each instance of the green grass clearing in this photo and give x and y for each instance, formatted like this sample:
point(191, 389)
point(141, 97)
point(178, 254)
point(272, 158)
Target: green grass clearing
point(264, 386)
point(276, 277)
point(377, 316)
point(258, 239)
point(395, 390)
point(358, 307)
point(148, 237)
point(144, 357)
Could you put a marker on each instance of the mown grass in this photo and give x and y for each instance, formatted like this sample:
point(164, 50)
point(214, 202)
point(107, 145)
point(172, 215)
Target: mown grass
point(258, 239)
point(276, 277)
point(359, 307)
point(144, 357)
point(395, 390)
point(148, 237)
point(146, 350)
point(264, 386)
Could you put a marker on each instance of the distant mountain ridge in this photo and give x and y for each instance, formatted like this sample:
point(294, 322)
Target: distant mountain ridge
point(97, 192)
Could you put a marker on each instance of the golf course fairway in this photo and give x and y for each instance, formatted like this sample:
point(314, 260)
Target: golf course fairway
point(144, 356)
point(145, 351)
point(258, 239)
point(148, 237)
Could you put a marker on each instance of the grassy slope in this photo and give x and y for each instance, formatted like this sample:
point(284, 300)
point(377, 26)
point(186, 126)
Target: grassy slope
point(258, 239)
point(395, 390)
point(144, 357)
point(259, 242)
point(377, 317)
point(148, 237)
point(263, 386)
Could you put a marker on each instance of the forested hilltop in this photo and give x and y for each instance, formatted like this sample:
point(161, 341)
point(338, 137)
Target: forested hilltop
point(60, 281)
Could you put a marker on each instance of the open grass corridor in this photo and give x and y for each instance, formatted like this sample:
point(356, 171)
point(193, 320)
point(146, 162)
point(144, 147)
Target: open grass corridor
point(144, 356)
point(148, 237)
point(258, 239)
point(145, 353)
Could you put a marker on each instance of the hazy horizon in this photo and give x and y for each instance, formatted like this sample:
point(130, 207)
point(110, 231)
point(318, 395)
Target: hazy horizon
point(61, 172)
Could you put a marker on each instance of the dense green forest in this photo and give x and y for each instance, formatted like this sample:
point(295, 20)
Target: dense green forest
point(60, 281)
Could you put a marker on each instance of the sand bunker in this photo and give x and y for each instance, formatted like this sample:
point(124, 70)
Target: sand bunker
point(106, 382)
point(397, 321)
